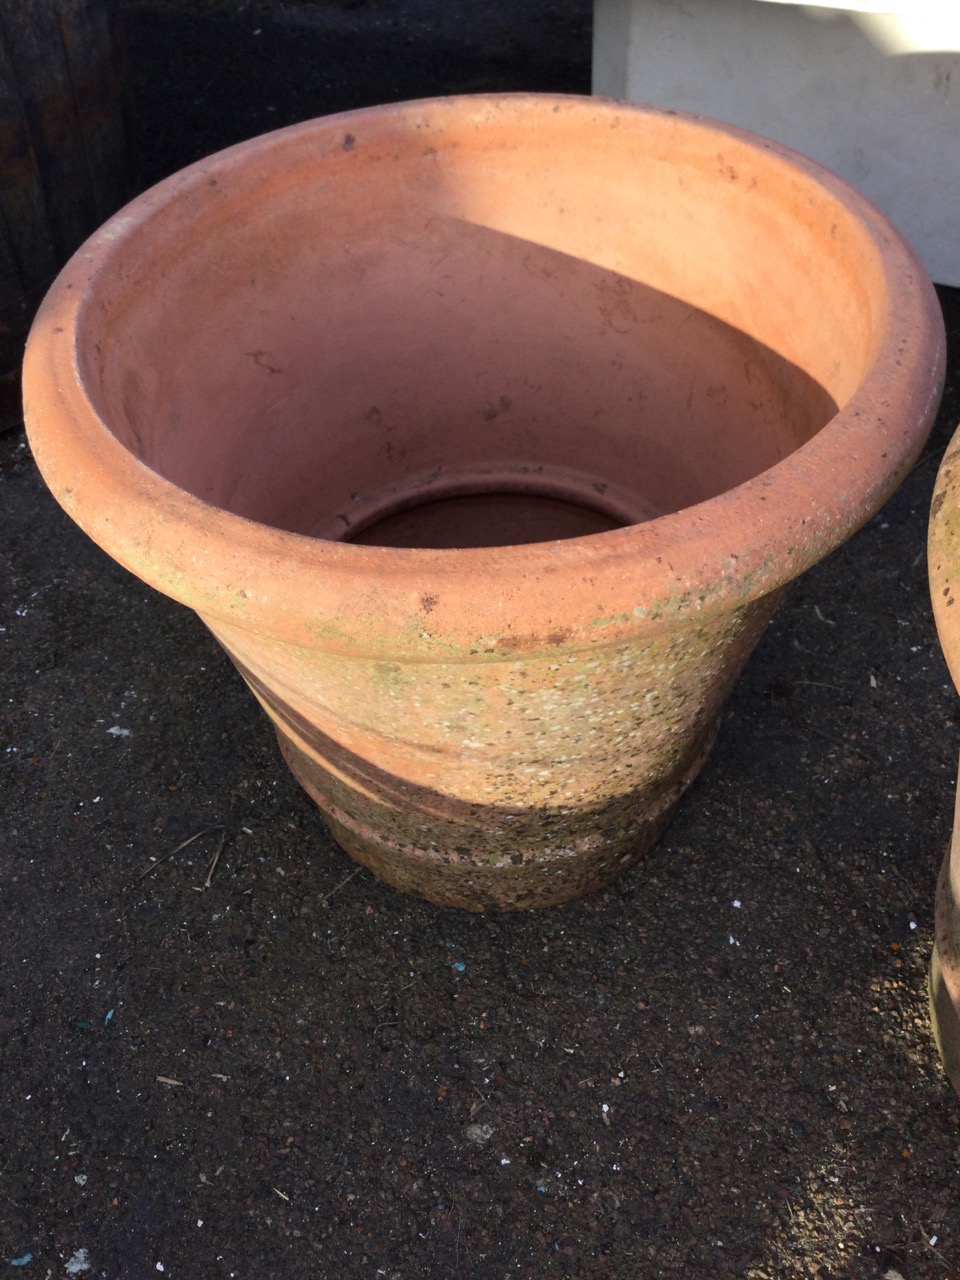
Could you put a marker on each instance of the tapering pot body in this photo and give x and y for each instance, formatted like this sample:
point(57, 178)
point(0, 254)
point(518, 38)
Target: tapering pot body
point(484, 434)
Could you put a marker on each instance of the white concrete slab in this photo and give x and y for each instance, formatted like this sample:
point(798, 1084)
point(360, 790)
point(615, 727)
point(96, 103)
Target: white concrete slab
point(871, 90)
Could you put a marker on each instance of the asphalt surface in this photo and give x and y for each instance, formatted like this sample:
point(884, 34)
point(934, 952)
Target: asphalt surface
point(267, 1064)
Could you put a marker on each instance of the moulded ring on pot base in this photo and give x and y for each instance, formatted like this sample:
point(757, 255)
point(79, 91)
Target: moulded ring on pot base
point(455, 873)
point(524, 845)
point(944, 977)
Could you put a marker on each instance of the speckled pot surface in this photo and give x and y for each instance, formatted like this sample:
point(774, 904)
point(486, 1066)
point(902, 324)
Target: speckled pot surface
point(484, 434)
point(943, 555)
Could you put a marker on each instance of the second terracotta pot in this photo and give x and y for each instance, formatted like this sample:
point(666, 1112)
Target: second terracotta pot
point(944, 568)
point(484, 434)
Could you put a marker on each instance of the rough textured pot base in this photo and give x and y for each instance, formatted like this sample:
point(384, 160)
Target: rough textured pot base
point(944, 983)
point(449, 880)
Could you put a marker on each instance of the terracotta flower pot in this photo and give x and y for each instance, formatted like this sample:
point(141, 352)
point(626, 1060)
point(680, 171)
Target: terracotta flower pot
point(485, 434)
point(943, 554)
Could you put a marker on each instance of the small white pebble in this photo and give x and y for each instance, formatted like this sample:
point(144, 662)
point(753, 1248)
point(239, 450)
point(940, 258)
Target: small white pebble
point(736, 902)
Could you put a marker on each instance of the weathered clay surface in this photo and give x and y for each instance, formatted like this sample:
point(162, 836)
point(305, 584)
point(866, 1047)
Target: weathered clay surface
point(944, 564)
point(484, 434)
point(945, 971)
point(553, 774)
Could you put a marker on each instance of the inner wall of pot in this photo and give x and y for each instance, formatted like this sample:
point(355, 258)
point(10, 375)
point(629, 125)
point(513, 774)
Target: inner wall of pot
point(349, 355)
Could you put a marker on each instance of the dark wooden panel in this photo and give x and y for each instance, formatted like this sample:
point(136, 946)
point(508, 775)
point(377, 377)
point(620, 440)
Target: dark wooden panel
point(64, 154)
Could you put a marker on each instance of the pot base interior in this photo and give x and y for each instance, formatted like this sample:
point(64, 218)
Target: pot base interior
point(502, 504)
point(486, 520)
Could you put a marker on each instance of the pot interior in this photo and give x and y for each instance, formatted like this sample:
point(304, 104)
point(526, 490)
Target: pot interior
point(485, 519)
point(463, 334)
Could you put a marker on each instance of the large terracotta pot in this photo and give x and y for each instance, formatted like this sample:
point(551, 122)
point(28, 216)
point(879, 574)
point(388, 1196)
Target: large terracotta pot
point(484, 434)
point(944, 565)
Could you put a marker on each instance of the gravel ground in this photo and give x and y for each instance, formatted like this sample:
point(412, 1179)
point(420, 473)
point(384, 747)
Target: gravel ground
point(720, 1067)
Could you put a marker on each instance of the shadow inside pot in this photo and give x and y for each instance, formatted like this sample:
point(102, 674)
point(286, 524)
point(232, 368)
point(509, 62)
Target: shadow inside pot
point(464, 387)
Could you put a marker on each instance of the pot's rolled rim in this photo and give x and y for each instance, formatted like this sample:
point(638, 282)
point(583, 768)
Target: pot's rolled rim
point(716, 555)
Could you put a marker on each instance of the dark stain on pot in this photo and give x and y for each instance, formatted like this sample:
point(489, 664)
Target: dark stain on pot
point(258, 358)
point(532, 642)
point(429, 603)
point(494, 411)
point(349, 142)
